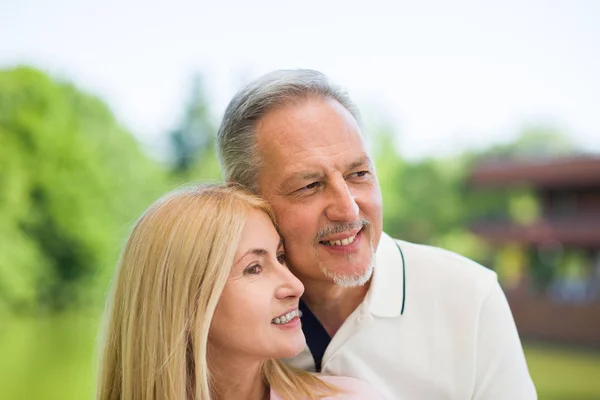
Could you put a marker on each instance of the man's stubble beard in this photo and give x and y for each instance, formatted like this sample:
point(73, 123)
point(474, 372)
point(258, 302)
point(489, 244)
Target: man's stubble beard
point(350, 280)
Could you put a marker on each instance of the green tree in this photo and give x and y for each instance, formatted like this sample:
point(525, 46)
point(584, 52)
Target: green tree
point(71, 182)
point(422, 199)
point(193, 142)
point(534, 142)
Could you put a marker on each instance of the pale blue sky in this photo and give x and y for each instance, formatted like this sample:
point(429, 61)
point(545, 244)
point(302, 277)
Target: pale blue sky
point(449, 75)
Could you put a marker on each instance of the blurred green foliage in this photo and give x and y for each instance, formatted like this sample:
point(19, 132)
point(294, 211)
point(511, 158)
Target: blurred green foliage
point(71, 182)
point(429, 201)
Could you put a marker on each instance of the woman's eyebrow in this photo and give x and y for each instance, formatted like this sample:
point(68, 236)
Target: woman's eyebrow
point(255, 251)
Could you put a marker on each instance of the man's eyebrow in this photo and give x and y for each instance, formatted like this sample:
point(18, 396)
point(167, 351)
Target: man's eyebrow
point(300, 177)
point(363, 160)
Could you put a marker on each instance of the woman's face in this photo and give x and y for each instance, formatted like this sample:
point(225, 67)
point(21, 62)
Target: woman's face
point(256, 315)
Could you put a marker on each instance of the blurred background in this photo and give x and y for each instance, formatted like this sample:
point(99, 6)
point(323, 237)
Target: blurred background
point(483, 122)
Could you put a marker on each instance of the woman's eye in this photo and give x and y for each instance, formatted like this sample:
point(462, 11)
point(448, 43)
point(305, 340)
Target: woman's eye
point(281, 258)
point(253, 270)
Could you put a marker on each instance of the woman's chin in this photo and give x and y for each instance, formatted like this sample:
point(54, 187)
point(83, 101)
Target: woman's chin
point(292, 348)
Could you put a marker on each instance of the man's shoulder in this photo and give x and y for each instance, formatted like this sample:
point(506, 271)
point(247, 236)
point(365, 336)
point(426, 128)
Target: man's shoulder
point(441, 270)
point(442, 261)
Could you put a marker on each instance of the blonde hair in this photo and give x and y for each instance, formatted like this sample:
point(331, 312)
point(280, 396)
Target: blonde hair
point(167, 285)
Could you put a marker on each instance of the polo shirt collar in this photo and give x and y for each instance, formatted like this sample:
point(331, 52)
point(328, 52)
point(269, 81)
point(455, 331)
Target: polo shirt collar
point(386, 296)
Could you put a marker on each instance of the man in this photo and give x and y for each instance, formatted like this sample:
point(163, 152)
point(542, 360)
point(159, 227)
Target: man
point(416, 322)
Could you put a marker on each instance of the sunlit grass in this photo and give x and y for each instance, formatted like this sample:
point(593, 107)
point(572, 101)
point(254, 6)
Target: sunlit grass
point(561, 373)
point(48, 358)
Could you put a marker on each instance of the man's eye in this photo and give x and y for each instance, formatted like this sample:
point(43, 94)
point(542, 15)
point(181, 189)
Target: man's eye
point(253, 270)
point(281, 258)
point(311, 186)
point(360, 174)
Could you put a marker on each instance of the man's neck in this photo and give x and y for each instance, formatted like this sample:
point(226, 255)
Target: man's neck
point(234, 378)
point(332, 304)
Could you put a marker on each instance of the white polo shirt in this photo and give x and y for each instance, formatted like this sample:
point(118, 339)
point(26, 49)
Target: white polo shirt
point(434, 325)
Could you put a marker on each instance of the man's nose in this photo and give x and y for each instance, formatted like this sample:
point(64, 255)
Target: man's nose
point(290, 286)
point(342, 205)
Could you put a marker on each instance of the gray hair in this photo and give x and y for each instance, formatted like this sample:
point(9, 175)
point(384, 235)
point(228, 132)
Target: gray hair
point(236, 141)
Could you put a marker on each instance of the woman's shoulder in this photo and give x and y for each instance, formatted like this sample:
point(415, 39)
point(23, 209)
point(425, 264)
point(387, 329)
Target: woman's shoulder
point(350, 389)
point(353, 389)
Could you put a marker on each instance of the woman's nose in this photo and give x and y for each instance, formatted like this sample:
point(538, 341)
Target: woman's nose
point(290, 285)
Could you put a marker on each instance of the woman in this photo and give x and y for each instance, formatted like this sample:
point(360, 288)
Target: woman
point(203, 307)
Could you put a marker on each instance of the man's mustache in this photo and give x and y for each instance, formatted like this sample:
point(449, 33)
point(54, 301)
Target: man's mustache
point(342, 227)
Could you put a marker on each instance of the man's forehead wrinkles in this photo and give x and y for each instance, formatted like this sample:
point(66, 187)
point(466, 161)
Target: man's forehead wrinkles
point(320, 153)
point(335, 156)
point(314, 164)
point(287, 161)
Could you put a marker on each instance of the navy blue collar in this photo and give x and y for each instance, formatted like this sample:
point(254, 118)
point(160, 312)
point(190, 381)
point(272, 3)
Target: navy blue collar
point(317, 338)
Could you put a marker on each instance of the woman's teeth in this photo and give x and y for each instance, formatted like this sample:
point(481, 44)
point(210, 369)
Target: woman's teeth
point(343, 242)
point(287, 317)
